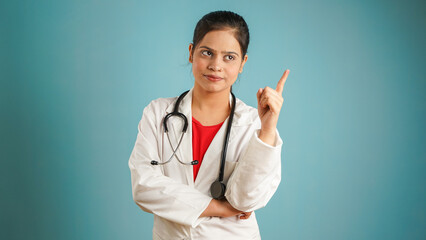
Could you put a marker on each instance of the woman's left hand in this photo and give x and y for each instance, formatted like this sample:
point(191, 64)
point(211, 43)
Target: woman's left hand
point(269, 103)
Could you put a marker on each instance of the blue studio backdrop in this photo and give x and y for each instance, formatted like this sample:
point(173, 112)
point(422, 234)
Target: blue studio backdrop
point(76, 75)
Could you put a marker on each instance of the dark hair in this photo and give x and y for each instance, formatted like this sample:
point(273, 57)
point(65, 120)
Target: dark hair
point(220, 20)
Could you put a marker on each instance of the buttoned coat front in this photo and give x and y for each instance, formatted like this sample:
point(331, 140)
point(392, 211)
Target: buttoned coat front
point(252, 173)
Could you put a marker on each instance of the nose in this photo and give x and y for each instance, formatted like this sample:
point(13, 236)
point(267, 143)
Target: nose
point(215, 64)
point(214, 68)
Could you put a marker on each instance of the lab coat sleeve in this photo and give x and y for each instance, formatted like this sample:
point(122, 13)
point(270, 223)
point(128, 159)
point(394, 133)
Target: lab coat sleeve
point(256, 176)
point(154, 192)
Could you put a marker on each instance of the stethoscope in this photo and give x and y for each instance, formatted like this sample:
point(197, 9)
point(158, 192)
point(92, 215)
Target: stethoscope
point(217, 188)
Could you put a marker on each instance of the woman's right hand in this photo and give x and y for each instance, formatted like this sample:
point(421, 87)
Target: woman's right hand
point(222, 208)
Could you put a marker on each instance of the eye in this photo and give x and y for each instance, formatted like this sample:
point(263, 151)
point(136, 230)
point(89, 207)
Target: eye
point(229, 57)
point(206, 53)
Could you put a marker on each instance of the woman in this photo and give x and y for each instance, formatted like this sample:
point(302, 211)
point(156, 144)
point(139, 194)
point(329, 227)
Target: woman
point(173, 171)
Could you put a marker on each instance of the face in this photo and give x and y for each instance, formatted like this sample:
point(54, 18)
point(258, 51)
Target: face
point(216, 61)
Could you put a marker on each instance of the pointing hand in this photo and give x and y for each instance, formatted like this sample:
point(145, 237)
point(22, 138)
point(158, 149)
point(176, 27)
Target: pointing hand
point(269, 103)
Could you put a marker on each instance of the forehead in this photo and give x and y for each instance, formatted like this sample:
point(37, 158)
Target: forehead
point(221, 40)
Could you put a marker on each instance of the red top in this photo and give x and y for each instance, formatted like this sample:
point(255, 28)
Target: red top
point(202, 136)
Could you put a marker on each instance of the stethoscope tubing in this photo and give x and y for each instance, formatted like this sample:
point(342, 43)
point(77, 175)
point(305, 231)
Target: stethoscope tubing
point(153, 162)
point(217, 188)
point(175, 113)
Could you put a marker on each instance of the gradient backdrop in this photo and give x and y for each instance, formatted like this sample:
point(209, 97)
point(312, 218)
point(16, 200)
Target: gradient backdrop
point(76, 75)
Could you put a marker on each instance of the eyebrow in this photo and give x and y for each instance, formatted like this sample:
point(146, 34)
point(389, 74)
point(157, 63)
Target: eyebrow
point(222, 51)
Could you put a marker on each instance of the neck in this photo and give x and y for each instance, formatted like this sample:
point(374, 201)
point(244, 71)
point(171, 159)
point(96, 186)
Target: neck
point(210, 101)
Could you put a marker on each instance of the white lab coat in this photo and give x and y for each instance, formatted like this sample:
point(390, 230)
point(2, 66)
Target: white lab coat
point(252, 173)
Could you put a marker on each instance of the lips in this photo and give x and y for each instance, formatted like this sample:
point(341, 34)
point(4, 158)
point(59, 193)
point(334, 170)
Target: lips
point(213, 77)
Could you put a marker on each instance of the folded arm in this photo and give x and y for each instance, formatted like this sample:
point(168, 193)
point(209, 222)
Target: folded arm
point(256, 176)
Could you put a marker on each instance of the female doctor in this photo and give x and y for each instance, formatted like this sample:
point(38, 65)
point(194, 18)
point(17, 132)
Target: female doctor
point(173, 170)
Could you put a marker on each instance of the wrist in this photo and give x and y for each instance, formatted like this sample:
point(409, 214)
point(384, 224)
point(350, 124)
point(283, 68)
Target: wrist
point(211, 210)
point(267, 131)
point(216, 209)
point(267, 136)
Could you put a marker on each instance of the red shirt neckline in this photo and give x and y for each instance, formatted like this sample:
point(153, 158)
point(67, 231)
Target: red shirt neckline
point(198, 123)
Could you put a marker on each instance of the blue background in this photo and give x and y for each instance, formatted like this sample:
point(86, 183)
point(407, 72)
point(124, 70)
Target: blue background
point(76, 75)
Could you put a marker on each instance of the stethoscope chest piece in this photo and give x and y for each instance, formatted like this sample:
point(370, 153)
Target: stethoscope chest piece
point(217, 190)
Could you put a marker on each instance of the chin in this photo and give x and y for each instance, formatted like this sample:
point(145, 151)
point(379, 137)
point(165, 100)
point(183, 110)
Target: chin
point(218, 89)
point(212, 87)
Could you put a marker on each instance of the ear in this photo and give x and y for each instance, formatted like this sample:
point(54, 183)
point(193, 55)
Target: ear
point(242, 63)
point(190, 52)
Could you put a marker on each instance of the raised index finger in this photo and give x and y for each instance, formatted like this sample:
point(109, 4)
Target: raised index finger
point(281, 82)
